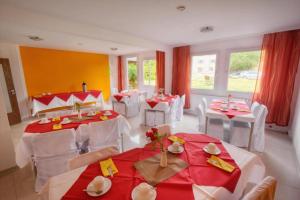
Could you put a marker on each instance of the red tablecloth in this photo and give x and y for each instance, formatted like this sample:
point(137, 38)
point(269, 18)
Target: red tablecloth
point(43, 128)
point(177, 187)
point(46, 99)
point(243, 109)
point(155, 100)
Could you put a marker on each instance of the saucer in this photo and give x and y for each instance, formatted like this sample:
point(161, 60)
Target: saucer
point(134, 193)
point(217, 151)
point(65, 121)
point(107, 113)
point(172, 150)
point(45, 122)
point(106, 186)
point(91, 114)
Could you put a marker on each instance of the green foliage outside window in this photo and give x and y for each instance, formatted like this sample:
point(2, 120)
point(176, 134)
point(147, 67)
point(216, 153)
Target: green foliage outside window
point(149, 69)
point(132, 74)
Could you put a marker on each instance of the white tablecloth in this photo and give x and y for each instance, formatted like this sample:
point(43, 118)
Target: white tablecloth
point(24, 150)
point(57, 102)
point(252, 170)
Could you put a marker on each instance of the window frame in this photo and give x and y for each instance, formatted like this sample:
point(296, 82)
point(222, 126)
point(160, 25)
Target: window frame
point(143, 81)
point(217, 66)
point(228, 54)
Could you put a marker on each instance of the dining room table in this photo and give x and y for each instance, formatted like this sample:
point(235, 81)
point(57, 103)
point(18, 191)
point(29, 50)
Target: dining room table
point(24, 149)
point(161, 104)
point(237, 110)
point(188, 175)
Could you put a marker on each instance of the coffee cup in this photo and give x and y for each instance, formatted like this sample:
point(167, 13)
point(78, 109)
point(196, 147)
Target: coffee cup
point(98, 183)
point(211, 147)
point(144, 191)
point(176, 146)
point(44, 120)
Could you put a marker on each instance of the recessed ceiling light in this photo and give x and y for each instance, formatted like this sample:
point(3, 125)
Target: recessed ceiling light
point(206, 29)
point(181, 8)
point(114, 49)
point(35, 38)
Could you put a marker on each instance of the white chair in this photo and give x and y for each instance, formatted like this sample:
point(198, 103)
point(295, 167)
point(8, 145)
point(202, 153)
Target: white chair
point(240, 131)
point(180, 107)
point(91, 157)
point(215, 127)
point(104, 134)
point(265, 190)
point(255, 108)
point(51, 153)
point(124, 91)
point(129, 107)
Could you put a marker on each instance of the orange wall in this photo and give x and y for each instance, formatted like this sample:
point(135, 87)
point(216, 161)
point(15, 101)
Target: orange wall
point(48, 70)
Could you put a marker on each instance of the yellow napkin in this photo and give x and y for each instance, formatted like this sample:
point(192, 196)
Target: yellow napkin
point(174, 138)
point(103, 118)
point(57, 126)
point(105, 164)
point(218, 162)
point(97, 112)
point(54, 119)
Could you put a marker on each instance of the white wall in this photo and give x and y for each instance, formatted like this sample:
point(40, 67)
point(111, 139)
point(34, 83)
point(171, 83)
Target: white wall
point(7, 154)
point(222, 48)
point(11, 51)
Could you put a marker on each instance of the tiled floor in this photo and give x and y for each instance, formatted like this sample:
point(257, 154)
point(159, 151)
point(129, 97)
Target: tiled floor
point(279, 158)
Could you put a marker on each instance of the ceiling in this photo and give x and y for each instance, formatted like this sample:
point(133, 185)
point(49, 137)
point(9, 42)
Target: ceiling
point(138, 25)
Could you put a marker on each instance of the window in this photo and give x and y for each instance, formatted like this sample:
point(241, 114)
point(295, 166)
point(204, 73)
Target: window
point(149, 70)
point(243, 71)
point(132, 72)
point(203, 71)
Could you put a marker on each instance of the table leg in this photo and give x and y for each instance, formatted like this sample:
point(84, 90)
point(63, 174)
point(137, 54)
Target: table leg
point(206, 122)
point(250, 136)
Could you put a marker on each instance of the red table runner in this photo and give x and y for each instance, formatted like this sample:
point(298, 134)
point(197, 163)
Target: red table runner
point(155, 100)
point(46, 99)
point(177, 187)
point(230, 113)
point(44, 128)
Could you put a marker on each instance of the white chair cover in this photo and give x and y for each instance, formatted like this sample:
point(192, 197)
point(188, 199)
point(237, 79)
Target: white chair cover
point(129, 106)
point(162, 113)
point(51, 154)
point(104, 134)
point(255, 108)
point(114, 91)
point(240, 131)
point(180, 108)
point(215, 127)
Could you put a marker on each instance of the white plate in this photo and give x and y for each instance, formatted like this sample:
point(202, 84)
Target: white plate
point(65, 122)
point(107, 186)
point(46, 122)
point(91, 115)
point(134, 193)
point(217, 151)
point(171, 149)
point(107, 113)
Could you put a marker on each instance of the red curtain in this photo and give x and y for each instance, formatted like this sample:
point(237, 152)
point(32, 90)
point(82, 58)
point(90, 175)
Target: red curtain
point(278, 68)
point(181, 76)
point(120, 74)
point(160, 69)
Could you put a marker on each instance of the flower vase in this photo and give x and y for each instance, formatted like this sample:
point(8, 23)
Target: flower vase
point(163, 158)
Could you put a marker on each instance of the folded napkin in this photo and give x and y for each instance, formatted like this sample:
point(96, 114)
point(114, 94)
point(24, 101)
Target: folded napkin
point(174, 138)
point(54, 119)
point(218, 162)
point(57, 126)
point(103, 118)
point(106, 164)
